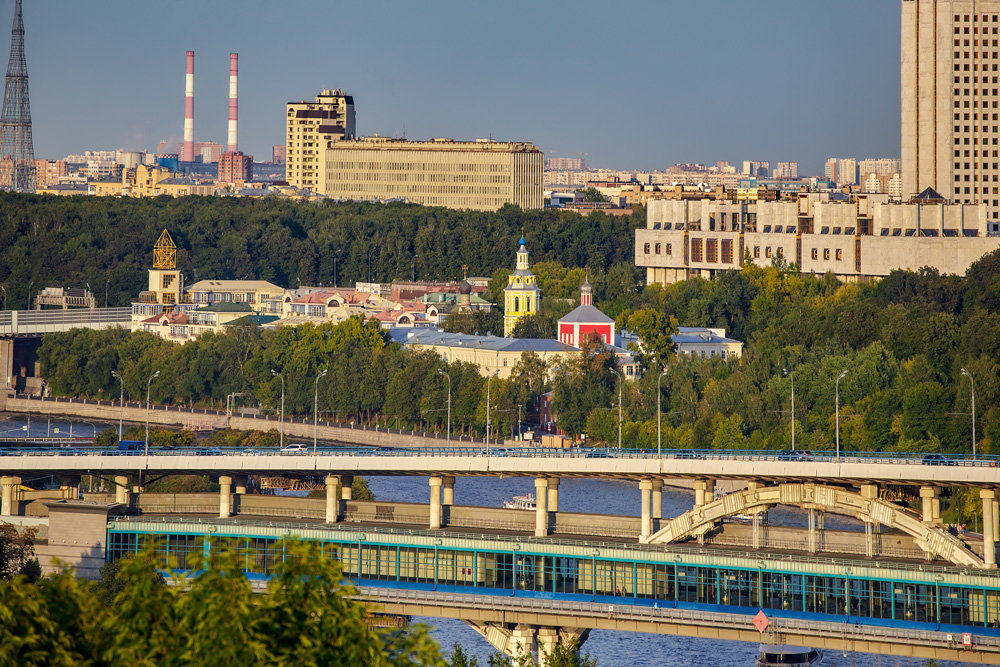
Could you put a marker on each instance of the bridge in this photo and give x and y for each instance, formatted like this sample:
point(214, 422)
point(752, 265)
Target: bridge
point(854, 485)
point(19, 323)
point(524, 593)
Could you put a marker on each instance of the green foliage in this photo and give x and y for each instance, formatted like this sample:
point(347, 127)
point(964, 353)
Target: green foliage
point(17, 551)
point(130, 617)
point(593, 195)
point(655, 330)
point(460, 659)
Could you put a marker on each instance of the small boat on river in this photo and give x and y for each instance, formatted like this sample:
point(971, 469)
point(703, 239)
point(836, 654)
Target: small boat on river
point(525, 502)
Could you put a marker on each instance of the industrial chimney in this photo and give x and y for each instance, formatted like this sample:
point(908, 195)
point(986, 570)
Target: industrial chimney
point(233, 72)
point(187, 151)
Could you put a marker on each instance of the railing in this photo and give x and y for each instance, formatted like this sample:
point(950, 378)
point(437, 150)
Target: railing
point(34, 321)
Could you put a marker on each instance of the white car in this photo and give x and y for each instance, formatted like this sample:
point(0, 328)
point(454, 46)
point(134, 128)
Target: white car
point(295, 448)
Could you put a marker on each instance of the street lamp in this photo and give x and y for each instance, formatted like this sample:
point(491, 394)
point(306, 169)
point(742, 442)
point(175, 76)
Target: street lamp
point(281, 436)
point(121, 402)
point(316, 407)
point(792, 378)
point(442, 372)
point(413, 269)
point(837, 392)
point(488, 379)
point(335, 256)
point(620, 411)
point(148, 383)
point(659, 449)
point(30, 285)
point(972, 385)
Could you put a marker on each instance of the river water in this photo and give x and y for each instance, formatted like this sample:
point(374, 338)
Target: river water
point(609, 648)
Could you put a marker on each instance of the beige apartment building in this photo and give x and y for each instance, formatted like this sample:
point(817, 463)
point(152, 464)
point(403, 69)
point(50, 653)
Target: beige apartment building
point(950, 120)
point(310, 126)
point(480, 175)
point(858, 239)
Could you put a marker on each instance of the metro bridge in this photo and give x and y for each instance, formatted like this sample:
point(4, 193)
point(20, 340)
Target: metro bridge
point(852, 485)
point(522, 592)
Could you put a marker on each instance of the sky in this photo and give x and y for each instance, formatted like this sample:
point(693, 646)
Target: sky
point(637, 85)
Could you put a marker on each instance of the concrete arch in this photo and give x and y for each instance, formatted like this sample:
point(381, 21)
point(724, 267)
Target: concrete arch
point(864, 506)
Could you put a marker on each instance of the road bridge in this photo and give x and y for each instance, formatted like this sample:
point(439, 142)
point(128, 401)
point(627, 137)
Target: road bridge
point(523, 593)
point(21, 323)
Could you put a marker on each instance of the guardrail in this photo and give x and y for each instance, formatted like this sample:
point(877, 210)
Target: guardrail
point(45, 321)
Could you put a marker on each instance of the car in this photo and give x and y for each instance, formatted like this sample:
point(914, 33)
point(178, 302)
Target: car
point(249, 452)
point(685, 454)
point(295, 448)
point(209, 451)
point(787, 455)
point(599, 454)
point(495, 451)
point(934, 459)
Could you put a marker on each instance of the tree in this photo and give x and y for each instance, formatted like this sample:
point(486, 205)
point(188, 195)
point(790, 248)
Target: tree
point(459, 659)
point(17, 551)
point(593, 195)
point(655, 330)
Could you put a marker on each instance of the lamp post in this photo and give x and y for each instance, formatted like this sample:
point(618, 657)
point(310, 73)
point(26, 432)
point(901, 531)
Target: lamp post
point(30, 285)
point(148, 383)
point(121, 402)
point(316, 408)
point(413, 269)
point(488, 411)
point(335, 256)
point(281, 432)
point(792, 378)
point(619, 411)
point(444, 373)
point(837, 403)
point(107, 283)
point(972, 386)
point(659, 448)
point(4, 288)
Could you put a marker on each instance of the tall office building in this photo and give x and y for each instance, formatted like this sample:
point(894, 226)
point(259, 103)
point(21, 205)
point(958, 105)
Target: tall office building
point(949, 102)
point(310, 126)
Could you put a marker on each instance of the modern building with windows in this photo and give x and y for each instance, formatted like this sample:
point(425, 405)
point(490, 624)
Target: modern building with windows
point(480, 175)
point(309, 127)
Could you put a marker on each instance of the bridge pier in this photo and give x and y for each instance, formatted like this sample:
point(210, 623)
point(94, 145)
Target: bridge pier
point(69, 487)
point(332, 505)
point(7, 361)
point(11, 492)
point(704, 493)
point(447, 498)
point(522, 641)
point(870, 492)
point(657, 502)
point(346, 487)
point(646, 520)
point(989, 535)
point(435, 483)
point(541, 515)
point(930, 505)
point(225, 496)
point(121, 489)
point(241, 485)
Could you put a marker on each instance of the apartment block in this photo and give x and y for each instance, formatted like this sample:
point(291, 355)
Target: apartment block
point(310, 126)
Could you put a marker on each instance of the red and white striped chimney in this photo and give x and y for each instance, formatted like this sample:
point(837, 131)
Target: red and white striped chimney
point(233, 72)
point(187, 151)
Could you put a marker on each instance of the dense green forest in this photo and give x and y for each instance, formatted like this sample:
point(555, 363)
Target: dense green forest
point(107, 242)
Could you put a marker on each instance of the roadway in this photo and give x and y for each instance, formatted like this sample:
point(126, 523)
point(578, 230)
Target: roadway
point(771, 466)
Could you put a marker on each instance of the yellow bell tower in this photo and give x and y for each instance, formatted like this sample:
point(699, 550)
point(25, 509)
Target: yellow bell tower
point(165, 281)
point(521, 296)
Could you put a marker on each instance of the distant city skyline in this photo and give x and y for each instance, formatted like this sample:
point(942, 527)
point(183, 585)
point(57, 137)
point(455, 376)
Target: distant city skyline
point(660, 84)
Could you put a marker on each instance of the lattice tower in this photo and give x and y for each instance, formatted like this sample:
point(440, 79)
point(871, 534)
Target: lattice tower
point(165, 252)
point(16, 150)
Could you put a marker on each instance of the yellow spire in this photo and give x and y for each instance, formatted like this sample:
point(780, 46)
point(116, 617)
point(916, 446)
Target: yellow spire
point(165, 252)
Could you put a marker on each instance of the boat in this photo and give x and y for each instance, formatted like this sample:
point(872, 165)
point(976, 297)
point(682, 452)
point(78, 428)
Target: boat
point(525, 502)
point(788, 656)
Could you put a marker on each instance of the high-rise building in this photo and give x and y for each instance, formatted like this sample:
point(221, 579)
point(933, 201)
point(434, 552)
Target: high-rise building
point(278, 154)
point(48, 172)
point(949, 103)
point(786, 170)
point(565, 163)
point(310, 126)
point(830, 170)
point(235, 166)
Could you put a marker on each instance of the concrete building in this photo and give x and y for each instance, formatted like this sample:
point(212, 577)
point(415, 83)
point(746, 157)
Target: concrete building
point(278, 154)
point(48, 172)
point(479, 175)
point(491, 354)
point(144, 181)
point(786, 170)
point(521, 297)
point(949, 102)
point(309, 127)
point(566, 163)
point(855, 239)
point(235, 167)
point(255, 293)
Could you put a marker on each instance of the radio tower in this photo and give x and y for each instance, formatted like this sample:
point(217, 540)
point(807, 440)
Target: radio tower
point(15, 123)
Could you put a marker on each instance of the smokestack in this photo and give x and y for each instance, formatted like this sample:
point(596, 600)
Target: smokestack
point(187, 151)
point(233, 106)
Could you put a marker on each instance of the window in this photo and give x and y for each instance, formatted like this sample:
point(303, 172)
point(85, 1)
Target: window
point(696, 254)
point(840, 254)
point(645, 247)
point(756, 252)
point(767, 251)
point(815, 253)
point(826, 253)
point(669, 249)
point(712, 250)
point(657, 249)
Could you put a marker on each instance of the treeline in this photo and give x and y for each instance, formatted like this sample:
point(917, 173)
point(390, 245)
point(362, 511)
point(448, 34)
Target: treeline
point(107, 242)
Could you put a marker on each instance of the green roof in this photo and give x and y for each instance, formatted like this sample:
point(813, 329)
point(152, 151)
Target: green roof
point(252, 321)
point(223, 307)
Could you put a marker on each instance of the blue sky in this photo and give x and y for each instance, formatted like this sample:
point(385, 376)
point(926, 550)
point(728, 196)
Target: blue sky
point(632, 85)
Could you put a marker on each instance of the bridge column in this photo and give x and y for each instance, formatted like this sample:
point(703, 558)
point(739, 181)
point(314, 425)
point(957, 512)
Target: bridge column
point(241, 485)
point(7, 362)
point(447, 499)
point(69, 487)
point(541, 516)
point(657, 502)
point(10, 486)
point(548, 639)
point(225, 496)
point(121, 489)
point(989, 537)
point(332, 506)
point(346, 487)
point(812, 531)
point(435, 483)
point(870, 492)
point(996, 519)
point(927, 496)
point(704, 489)
point(522, 640)
point(646, 516)
point(553, 501)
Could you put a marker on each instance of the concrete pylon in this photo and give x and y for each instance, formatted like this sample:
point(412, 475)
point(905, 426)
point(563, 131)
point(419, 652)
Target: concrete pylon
point(927, 496)
point(9, 488)
point(435, 484)
point(225, 496)
point(332, 505)
point(704, 490)
point(646, 516)
point(346, 487)
point(447, 490)
point(241, 485)
point(541, 516)
point(547, 639)
point(657, 499)
point(121, 489)
point(69, 487)
point(522, 641)
point(553, 486)
point(989, 536)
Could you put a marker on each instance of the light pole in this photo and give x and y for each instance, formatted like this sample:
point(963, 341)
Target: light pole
point(30, 285)
point(413, 269)
point(4, 288)
point(148, 383)
point(316, 407)
point(444, 373)
point(370, 251)
point(837, 403)
point(619, 411)
point(659, 449)
point(792, 378)
point(488, 379)
point(335, 256)
point(281, 436)
point(121, 402)
point(972, 386)
point(107, 283)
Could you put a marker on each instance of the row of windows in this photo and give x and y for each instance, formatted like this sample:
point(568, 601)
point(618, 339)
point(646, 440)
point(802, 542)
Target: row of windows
point(711, 247)
point(659, 248)
point(417, 177)
point(839, 254)
point(621, 580)
point(401, 190)
point(409, 167)
point(768, 252)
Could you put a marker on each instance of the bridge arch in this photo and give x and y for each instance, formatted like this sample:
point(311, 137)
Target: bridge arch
point(866, 507)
